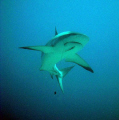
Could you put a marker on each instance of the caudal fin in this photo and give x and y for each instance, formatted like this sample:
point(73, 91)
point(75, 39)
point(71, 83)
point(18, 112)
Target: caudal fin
point(63, 73)
point(66, 70)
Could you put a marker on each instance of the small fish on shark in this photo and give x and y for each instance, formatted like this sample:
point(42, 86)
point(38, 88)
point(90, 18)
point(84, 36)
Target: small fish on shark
point(65, 46)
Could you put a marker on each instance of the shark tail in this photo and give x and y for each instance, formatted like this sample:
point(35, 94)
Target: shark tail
point(62, 74)
point(66, 70)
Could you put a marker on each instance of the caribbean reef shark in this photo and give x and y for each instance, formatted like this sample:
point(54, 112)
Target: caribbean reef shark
point(62, 46)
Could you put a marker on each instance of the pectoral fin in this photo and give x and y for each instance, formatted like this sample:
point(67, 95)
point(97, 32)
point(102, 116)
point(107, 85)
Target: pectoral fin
point(78, 60)
point(44, 49)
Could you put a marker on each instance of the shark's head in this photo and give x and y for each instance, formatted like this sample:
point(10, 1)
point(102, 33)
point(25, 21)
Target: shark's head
point(77, 38)
point(71, 41)
point(69, 37)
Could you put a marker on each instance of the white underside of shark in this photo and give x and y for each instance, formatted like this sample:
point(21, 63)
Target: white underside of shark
point(62, 46)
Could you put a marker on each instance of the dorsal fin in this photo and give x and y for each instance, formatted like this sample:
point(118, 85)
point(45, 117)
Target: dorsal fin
point(56, 31)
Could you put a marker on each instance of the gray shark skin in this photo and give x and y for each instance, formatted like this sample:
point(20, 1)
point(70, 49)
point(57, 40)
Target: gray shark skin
point(62, 46)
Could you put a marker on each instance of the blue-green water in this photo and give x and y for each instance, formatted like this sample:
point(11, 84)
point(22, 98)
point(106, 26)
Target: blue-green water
point(26, 92)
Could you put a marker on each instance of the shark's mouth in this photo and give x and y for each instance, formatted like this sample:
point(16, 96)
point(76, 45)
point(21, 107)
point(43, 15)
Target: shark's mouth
point(72, 45)
point(72, 42)
point(70, 49)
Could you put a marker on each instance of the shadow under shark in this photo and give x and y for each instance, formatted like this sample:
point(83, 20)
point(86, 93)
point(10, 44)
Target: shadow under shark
point(62, 46)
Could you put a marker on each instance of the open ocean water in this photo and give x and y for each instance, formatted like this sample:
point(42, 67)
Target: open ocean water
point(27, 93)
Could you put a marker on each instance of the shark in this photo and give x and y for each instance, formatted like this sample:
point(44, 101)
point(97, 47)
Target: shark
point(63, 46)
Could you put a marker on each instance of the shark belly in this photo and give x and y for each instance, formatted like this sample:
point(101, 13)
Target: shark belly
point(49, 61)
